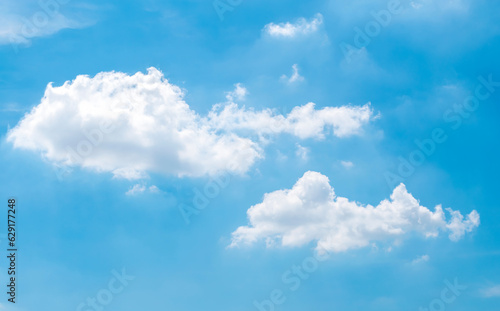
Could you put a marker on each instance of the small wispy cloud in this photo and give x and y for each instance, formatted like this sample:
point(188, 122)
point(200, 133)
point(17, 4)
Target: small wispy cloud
point(21, 23)
point(281, 157)
point(347, 164)
point(154, 189)
point(302, 152)
point(290, 30)
point(239, 93)
point(140, 188)
point(492, 291)
point(441, 6)
point(416, 5)
point(420, 259)
point(295, 77)
point(12, 107)
point(136, 189)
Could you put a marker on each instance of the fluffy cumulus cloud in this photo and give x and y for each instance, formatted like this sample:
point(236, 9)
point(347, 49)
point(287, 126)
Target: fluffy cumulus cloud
point(311, 211)
point(290, 30)
point(134, 124)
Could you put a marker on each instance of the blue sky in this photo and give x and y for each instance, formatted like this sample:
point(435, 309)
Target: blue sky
point(209, 104)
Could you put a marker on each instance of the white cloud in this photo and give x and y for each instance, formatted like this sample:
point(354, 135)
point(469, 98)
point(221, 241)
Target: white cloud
point(239, 93)
point(458, 226)
point(12, 107)
point(300, 27)
point(302, 152)
point(281, 157)
point(420, 259)
point(141, 188)
point(416, 5)
point(128, 125)
point(493, 291)
point(132, 125)
point(136, 189)
point(347, 164)
point(154, 189)
point(311, 212)
point(21, 23)
point(295, 77)
point(441, 6)
point(303, 121)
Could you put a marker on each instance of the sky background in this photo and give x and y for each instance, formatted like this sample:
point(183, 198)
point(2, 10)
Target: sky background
point(73, 230)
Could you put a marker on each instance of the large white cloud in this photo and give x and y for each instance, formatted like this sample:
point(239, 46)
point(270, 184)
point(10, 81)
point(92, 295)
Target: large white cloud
point(311, 211)
point(290, 30)
point(131, 125)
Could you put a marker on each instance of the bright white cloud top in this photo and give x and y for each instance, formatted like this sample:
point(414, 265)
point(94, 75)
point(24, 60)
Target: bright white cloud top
point(290, 30)
point(311, 211)
point(134, 124)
